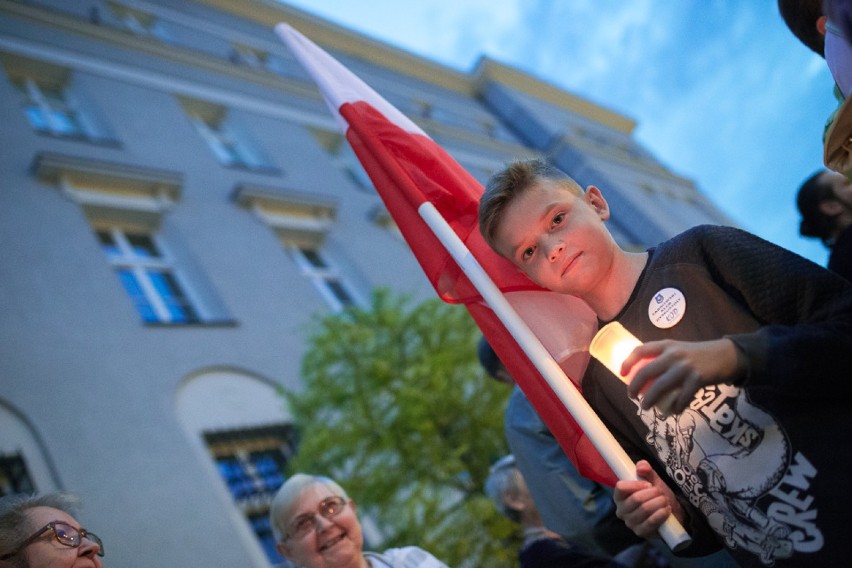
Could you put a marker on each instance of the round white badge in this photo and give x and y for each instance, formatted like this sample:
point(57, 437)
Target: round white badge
point(667, 308)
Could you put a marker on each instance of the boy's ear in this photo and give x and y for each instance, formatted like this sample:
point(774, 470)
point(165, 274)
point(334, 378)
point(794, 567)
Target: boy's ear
point(820, 25)
point(596, 201)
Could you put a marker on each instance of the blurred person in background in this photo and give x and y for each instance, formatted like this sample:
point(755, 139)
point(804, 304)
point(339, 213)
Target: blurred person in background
point(825, 204)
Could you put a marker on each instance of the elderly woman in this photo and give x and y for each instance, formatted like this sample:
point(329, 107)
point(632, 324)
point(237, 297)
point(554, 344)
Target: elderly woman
point(40, 531)
point(316, 526)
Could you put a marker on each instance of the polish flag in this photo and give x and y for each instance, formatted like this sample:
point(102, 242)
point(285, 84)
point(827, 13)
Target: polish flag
point(419, 182)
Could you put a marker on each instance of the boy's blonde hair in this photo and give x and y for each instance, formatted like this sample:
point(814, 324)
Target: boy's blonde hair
point(510, 182)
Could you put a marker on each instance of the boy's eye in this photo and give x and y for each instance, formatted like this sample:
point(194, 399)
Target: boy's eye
point(528, 252)
point(558, 218)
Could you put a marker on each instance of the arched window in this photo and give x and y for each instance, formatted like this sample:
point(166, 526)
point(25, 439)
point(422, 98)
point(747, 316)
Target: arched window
point(24, 465)
point(243, 434)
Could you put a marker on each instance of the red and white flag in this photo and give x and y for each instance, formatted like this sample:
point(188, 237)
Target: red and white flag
point(541, 336)
point(411, 172)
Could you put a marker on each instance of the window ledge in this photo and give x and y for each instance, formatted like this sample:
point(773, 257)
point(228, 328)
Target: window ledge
point(221, 323)
point(263, 170)
point(94, 140)
point(108, 188)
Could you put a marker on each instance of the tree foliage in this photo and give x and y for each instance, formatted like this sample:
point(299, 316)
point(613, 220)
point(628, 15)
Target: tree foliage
point(395, 407)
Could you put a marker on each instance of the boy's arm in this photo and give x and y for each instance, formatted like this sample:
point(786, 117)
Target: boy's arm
point(704, 539)
point(645, 503)
point(805, 309)
point(806, 316)
point(683, 367)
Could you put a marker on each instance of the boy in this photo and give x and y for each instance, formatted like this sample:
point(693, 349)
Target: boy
point(757, 340)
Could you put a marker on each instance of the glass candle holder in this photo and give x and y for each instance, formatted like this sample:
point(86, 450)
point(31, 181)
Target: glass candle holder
point(611, 345)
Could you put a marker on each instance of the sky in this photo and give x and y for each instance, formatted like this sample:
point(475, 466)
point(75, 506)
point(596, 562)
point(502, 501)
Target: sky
point(722, 92)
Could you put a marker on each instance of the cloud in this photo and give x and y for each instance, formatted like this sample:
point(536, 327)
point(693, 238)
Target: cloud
point(723, 93)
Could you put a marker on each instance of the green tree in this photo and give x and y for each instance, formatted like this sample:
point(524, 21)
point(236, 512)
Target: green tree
point(395, 407)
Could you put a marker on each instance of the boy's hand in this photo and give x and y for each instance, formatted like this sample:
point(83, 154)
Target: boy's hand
point(645, 503)
point(684, 366)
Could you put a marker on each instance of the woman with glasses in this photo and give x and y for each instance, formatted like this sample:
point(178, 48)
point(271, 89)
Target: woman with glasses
point(41, 532)
point(316, 526)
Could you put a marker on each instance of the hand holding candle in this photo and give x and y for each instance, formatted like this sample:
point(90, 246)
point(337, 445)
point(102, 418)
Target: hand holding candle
point(611, 346)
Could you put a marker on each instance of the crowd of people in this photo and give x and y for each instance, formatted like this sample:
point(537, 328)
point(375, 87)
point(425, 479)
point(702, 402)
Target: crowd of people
point(750, 455)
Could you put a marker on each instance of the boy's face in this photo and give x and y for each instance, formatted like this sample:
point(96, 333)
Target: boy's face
point(557, 237)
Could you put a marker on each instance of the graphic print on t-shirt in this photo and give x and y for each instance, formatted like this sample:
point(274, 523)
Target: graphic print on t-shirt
point(735, 464)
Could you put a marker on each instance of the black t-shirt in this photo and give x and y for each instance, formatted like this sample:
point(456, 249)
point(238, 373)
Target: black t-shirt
point(840, 260)
point(763, 463)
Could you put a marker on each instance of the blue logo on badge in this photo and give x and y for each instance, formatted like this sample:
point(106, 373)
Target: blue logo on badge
point(658, 298)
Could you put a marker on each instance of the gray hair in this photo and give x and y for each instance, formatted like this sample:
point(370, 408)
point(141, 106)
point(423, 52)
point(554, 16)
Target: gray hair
point(505, 480)
point(15, 524)
point(289, 493)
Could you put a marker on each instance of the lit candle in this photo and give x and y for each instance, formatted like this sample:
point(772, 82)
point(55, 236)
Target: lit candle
point(611, 346)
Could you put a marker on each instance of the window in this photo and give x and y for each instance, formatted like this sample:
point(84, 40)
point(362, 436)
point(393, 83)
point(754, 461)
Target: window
point(473, 120)
point(249, 56)
point(125, 206)
point(147, 276)
point(230, 148)
point(139, 22)
point(422, 109)
point(301, 222)
point(251, 462)
point(323, 275)
point(46, 98)
point(24, 464)
point(381, 217)
point(14, 477)
point(47, 109)
point(243, 436)
point(344, 158)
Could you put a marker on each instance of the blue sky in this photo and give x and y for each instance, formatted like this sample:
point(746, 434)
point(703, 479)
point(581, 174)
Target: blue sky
point(721, 90)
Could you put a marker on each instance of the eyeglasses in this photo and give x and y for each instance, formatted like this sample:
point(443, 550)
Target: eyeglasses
point(304, 524)
point(65, 534)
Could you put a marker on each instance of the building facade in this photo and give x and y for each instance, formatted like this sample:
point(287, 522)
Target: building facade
point(177, 204)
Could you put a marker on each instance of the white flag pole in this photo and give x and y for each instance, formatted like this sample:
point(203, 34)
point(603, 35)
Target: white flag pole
point(672, 531)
